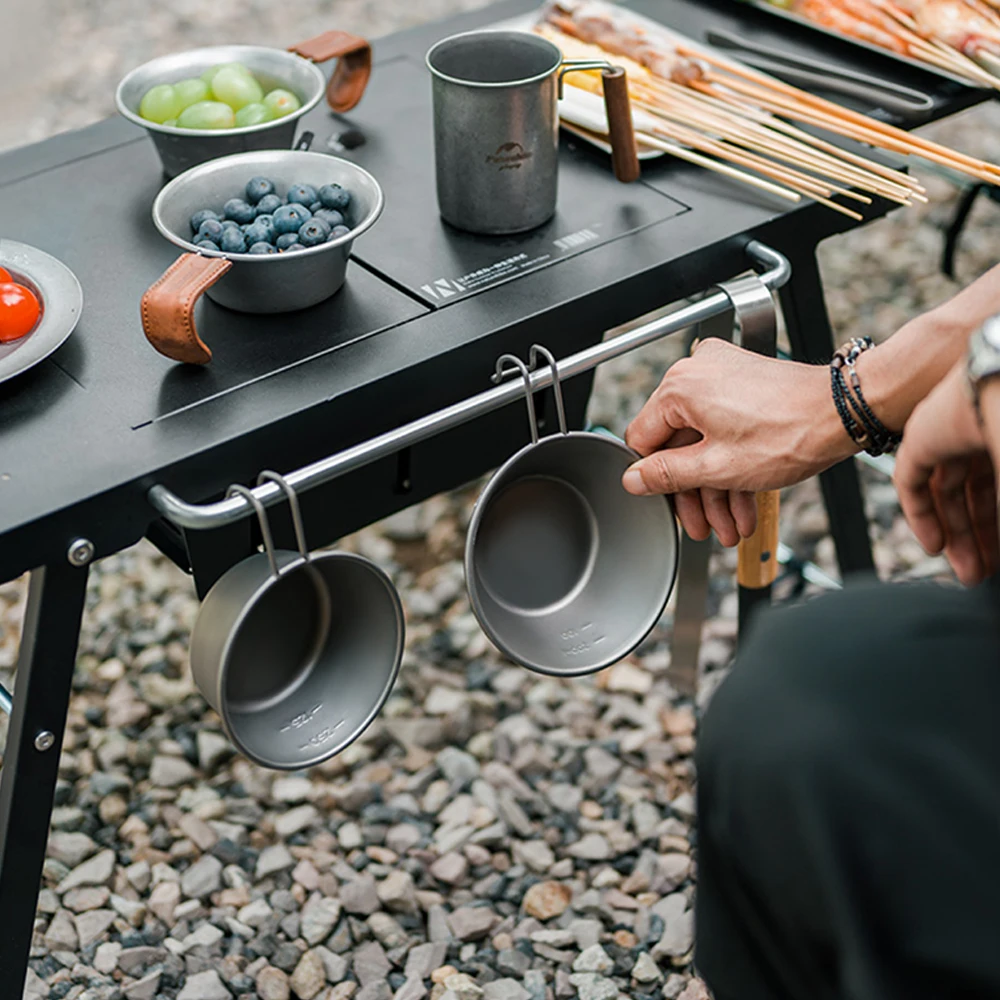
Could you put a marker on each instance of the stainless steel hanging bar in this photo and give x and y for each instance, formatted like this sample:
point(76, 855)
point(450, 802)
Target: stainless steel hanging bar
point(222, 512)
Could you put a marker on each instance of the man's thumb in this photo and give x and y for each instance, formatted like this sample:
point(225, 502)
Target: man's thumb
point(672, 470)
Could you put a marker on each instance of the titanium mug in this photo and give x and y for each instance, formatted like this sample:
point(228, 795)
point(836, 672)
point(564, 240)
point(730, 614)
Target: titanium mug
point(567, 573)
point(496, 127)
point(297, 652)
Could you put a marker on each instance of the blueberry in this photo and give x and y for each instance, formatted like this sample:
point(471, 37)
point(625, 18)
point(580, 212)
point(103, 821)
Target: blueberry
point(229, 224)
point(260, 231)
point(301, 194)
point(262, 247)
point(315, 207)
point(233, 241)
point(339, 231)
point(334, 196)
point(268, 204)
point(330, 216)
point(210, 229)
point(285, 240)
point(239, 211)
point(294, 246)
point(313, 232)
point(207, 244)
point(257, 188)
point(289, 218)
point(201, 216)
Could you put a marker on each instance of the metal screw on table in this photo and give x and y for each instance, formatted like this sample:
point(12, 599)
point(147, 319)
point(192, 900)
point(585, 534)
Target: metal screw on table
point(44, 741)
point(80, 552)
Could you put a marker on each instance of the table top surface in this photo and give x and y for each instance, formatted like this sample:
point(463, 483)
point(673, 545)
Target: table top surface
point(424, 312)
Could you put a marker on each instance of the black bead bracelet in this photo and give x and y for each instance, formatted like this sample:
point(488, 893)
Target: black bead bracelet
point(860, 422)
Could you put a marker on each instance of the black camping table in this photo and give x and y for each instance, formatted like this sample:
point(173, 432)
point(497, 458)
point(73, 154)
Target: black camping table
point(86, 435)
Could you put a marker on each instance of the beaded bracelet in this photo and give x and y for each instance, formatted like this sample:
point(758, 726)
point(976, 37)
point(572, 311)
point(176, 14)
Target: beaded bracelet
point(864, 428)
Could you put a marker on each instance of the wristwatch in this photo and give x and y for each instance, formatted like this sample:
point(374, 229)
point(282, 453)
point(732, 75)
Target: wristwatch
point(983, 359)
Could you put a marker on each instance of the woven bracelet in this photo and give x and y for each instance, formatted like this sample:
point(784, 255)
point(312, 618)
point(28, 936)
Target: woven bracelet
point(864, 428)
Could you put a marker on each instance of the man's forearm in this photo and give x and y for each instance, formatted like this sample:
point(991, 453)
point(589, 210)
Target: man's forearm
point(903, 370)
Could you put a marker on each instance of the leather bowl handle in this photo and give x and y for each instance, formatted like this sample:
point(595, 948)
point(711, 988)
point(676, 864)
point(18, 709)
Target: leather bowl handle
point(354, 66)
point(168, 307)
point(624, 156)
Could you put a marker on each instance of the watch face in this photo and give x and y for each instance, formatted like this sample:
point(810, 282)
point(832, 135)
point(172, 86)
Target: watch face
point(991, 332)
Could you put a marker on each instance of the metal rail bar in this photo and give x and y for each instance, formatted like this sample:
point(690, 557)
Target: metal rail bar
point(6, 702)
point(222, 512)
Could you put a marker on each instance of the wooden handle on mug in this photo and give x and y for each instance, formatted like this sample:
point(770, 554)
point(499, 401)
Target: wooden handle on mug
point(624, 155)
point(758, 554)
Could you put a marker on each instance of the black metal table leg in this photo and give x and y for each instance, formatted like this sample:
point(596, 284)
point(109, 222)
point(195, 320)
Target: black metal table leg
point(31, 756)
point(811, 337)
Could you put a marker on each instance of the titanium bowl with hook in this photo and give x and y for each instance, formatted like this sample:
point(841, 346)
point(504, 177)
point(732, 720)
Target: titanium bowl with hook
point(567, 573)
point(297, 652)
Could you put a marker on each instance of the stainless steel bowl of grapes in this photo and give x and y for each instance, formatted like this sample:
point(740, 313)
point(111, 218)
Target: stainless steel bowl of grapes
point(211, 102)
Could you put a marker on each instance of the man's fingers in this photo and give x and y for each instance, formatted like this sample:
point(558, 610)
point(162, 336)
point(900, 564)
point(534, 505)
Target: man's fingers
point(744, 508)
point(691, 514)
point(651, 429)
point(720, 517)
point(913, 486)
point(672, 470)
point(948, 485)
point(981, 499)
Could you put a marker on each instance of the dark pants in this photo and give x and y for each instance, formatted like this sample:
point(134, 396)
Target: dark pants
point(849, 797)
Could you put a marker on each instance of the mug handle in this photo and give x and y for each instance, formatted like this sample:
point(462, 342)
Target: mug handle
point(354, 66)
point(168, 307)
point(621, 130)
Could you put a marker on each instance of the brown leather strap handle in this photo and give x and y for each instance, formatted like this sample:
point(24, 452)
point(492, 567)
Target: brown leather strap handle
point(349, 79)
point(168, 307)
point(624, 155)
point(758, 554)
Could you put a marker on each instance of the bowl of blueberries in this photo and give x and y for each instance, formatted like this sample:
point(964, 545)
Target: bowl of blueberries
point(283, 220)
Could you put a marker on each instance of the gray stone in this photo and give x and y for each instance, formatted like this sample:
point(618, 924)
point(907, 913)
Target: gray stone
point(674, 986)
point(203, 936)
point(132, 961)
point(601, 766)
point(334, 965)
point(106, 957)
point(272, 860)
point(95, 871)
point(145, 988)
point(370, 963)
point(272, 984)
point(70, 848)
point(88, 897)
point(62, 935)
point(678, 927)
point(295, 820)
point(380, 990)
point(536, 854)
point(387, 931)
point(438, 929)
point(171, 772)
point(593, 959)
point(412, 989)
point(92, 926)
point(591, 847)
point(424, 959)
point(451, 868)
point(590, 986)
point(506, 989)
point(457, 765)
point(398, 892)
point(512, 962)
point(204, 986)
point(645, 969)
point(255, 913)
point(463, 986)
point(203, 878)
point(309, 976)
point(360, 896)
point(586, 932)
point(471, 923)
point(534, 983)
point(213, 749)
point(319, 917)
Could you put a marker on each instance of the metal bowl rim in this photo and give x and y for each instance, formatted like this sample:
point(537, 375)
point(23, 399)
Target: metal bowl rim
point(260, 258)
point(126, 112)
point(262, 587)
point(474, 522)
point(502, 84)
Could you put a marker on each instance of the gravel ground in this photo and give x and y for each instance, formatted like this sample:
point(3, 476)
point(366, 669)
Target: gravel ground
point(495, 835)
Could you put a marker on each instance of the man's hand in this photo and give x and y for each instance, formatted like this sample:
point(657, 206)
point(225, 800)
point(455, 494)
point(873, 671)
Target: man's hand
point(946, 482)
point(727, 423)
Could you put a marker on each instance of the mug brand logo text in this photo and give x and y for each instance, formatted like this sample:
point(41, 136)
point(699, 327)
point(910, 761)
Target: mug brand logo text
point(509, 156)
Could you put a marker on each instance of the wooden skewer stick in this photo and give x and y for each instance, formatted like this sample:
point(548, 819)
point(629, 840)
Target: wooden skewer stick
point(835, 110)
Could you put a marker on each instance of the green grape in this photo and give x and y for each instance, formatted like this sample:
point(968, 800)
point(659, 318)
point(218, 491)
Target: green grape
point(282, 102)
point(209, 75)
point(252, 114)
point(236, 88)
point(191, 91)
point(170, 121)
point(207, 114)
point(160, 103)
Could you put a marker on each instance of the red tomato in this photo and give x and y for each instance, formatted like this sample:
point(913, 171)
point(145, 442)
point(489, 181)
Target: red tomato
point(5, 275)
point(19, 311)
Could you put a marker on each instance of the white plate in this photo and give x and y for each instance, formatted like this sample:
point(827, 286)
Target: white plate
point(61, 298)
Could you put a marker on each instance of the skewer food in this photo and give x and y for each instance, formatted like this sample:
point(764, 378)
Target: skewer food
point(697, 105)
point(961, 37)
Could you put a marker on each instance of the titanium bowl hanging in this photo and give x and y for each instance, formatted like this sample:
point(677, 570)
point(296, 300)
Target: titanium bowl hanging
point(567, 573)
point(297, 652)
